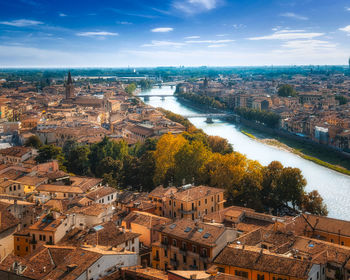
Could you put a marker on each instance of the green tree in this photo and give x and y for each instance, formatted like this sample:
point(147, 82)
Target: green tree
point(286, 90)
point(313, 203)
point(290, 187)
point(33, 141)
point(47, 153)
point(219, 145)
point(189, 161)
point(130, 88)
point(78, 160)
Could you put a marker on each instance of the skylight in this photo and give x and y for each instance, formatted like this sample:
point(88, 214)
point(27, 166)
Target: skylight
point(206, 235)
point(188, 229)
point(172, 226)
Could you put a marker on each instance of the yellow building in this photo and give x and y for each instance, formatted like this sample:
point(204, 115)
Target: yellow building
point(158, 195)
point(258, 264)
point(189, 245)
point(193, 202)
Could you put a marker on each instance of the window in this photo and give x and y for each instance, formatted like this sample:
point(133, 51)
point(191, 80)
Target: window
point(27, 249)
point(212, 209)
point(199, 203)
point(206, 211)
point(44, 237)
point(174, 242)
point(174, 214)
point(40, 237)
point(133, 240)
point(194, 249)
point(192, 206)
point(166, 253)
point(182, 206)
point(206, 201)
point(133, 249)
point(218, 197)
point(174, 203)
point(50, 239)
point(169, 202)
point(192, 216)
point(17, 248)
point(332, 240)
point(261, 277)
point(184, 259)
point(10, 189)
point(342, 243)
point(241, 273)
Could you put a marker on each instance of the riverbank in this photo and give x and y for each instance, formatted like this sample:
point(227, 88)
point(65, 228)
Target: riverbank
point(318, 155)
point(296, 148)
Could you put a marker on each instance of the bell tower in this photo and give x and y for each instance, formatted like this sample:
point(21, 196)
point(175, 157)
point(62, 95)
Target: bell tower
point(69, 87)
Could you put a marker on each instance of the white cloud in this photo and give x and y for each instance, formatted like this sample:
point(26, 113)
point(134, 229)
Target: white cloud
point(309, 44)
point(98, 33)
point(217, 46)
point(21, 22)
point(345, 29)
point(192, 37)
point(124, 22)
point(288, 35)
point(294, 16)
point(207, 4)
point(162, 29)
point(221, 35)
point(164, 44)
point(239, 26)
point(209, 41)
point(347, 9)
point(195, 6)
point(62, 15)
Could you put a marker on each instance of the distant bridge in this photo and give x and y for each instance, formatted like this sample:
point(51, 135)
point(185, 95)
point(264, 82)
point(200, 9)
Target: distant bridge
point(154, 95)
point(209, 117)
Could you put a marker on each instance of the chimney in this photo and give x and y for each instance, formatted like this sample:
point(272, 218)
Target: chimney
point(71, 267)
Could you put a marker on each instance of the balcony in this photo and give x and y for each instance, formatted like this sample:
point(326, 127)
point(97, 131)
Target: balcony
point(174, 262)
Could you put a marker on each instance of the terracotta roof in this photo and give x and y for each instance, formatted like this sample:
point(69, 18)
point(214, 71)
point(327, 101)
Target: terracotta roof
point(110, 235)
point(7, 220)
point(15, 151)
point(195, 193)
point(91, 210)
point(47, 223)
point(51, 262)
point(145, 219)
point(197, 232)
point(264, 261)
point(326, 224)
point(100, 192)
point(59, 188)
point(85, 183)
point(161, 192)
point(32, 180)
point(138, 272)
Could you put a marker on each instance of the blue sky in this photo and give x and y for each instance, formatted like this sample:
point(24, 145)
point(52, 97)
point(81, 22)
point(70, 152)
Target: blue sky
point(119, 33)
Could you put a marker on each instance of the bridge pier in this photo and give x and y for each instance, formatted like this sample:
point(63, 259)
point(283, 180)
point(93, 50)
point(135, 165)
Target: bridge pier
point(209, 120)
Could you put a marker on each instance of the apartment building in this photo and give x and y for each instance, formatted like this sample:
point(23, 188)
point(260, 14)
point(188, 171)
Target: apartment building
point(189, 245)
point(193, 202)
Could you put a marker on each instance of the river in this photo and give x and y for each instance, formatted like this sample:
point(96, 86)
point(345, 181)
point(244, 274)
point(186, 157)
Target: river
point(334, 187)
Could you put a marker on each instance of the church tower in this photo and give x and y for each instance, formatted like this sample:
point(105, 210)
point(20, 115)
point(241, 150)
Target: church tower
point(69, 87)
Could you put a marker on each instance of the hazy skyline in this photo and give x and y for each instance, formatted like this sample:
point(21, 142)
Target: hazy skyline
point(172, 33)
